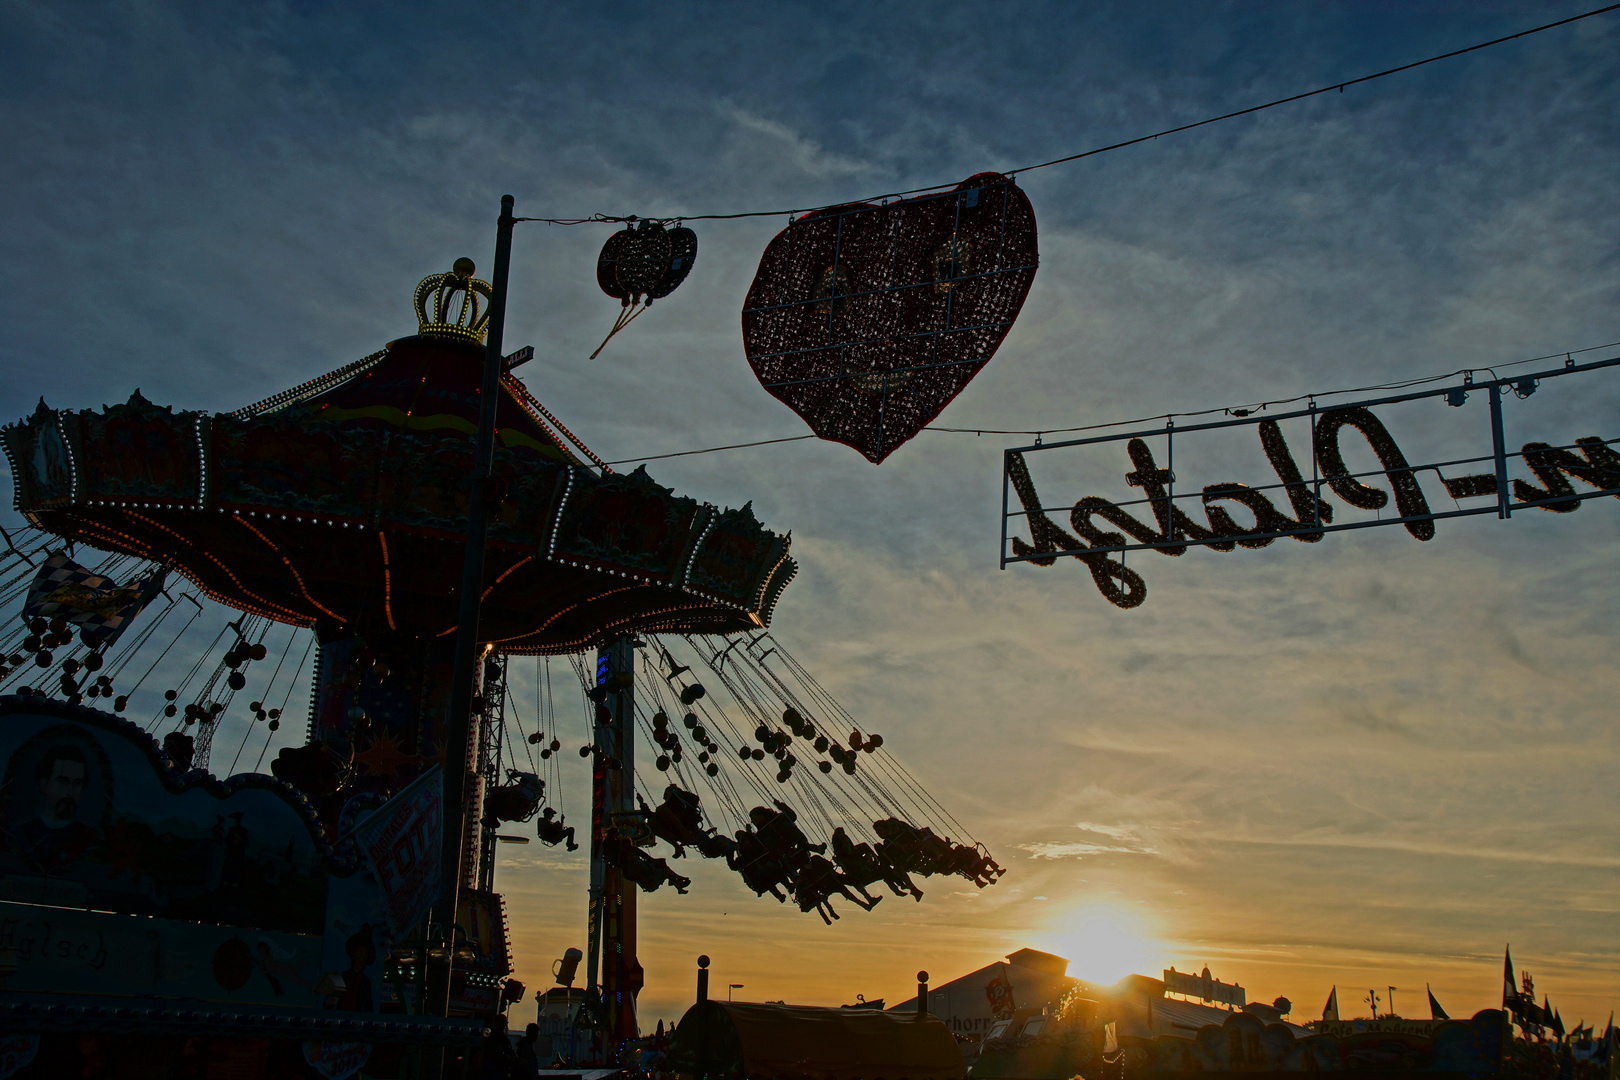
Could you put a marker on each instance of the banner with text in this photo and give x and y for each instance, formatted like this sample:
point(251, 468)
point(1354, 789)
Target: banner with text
point(401, 843)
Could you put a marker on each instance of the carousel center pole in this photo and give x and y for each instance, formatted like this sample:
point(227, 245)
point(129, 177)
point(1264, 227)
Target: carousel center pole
point(465, 668)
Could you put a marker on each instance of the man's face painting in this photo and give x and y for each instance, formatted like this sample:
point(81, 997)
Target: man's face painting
point(63, 788)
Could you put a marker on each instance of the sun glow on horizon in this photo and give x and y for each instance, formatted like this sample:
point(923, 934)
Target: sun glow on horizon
point(1104, 943)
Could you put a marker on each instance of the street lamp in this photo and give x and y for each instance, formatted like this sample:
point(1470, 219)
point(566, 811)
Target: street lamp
point(730, 987)
point(1392, 990)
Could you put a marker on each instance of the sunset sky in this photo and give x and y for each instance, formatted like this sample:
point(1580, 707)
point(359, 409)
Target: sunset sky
point(1365, 762)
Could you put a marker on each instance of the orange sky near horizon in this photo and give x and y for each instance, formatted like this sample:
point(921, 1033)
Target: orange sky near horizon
point(779, 955)
point(1287, 854)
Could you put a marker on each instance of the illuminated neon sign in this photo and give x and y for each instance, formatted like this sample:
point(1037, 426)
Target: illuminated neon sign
point(1308, 474)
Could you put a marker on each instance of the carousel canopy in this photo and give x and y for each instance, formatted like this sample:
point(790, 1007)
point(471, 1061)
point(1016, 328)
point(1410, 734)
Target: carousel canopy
point(342, 504)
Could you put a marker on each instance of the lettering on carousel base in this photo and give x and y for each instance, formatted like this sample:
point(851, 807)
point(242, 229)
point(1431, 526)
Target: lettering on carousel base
point(61, 951)
point(46, 941)
point(1173, 531)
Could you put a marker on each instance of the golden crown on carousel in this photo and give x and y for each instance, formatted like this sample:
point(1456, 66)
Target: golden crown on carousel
point(454, 304)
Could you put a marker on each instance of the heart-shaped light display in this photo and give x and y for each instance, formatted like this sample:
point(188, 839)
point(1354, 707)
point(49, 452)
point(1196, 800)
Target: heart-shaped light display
point(867, 320)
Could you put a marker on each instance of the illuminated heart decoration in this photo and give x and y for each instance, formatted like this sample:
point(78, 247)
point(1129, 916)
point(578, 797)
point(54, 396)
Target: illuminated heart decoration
point(867, 320)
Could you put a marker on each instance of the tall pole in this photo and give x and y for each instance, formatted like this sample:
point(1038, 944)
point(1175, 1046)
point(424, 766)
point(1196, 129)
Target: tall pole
point(602, 741)
point(465, 668)
point(490, 733)
point(614, 970)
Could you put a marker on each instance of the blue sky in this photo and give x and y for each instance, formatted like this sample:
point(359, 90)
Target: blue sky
point(1367, 759)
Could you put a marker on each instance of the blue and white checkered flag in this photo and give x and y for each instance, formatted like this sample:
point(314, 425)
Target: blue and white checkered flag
point(98, 606)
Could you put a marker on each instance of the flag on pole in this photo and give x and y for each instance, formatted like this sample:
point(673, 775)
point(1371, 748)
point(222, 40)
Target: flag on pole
point(1435, 1011)
point(98, 606)
point(1510, 986)
point(1330, 1011)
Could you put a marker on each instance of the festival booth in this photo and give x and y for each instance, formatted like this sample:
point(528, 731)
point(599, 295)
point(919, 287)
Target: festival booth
point(802, 1042)
point(973, 1005)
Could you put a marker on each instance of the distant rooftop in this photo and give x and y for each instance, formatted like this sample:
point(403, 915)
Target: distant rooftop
point(1044, 962)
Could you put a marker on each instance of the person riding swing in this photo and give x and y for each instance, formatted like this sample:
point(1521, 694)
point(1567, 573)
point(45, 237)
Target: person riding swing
point(553, 831)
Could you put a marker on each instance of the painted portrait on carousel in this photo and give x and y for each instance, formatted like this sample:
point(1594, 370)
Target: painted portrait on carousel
point(56, 801)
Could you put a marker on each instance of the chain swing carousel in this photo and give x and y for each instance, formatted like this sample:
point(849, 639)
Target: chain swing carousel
point(329, 519)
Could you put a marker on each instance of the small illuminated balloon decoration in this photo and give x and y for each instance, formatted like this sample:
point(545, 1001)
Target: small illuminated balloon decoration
point(643, 262)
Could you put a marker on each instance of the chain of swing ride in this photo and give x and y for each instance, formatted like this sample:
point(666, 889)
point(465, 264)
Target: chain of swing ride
point(856, 781)
point(44, 657)
point(735, 749)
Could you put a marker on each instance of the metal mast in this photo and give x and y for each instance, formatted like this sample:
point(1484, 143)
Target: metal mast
point(491, 737)
point(464, 672)
point(613, 970)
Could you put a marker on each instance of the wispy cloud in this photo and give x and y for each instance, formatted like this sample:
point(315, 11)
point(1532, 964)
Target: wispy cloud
point(1075, 849)
point(772, 145)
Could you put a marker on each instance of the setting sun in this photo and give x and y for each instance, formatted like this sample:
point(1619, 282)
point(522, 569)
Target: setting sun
point(1104, 943)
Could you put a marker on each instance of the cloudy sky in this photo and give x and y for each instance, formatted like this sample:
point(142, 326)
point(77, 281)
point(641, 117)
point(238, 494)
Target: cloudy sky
point(1364, 762)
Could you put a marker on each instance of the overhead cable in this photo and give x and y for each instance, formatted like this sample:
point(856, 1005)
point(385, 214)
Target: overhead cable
point(1329, 88)
point(710, 450)
point(1233, 410)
